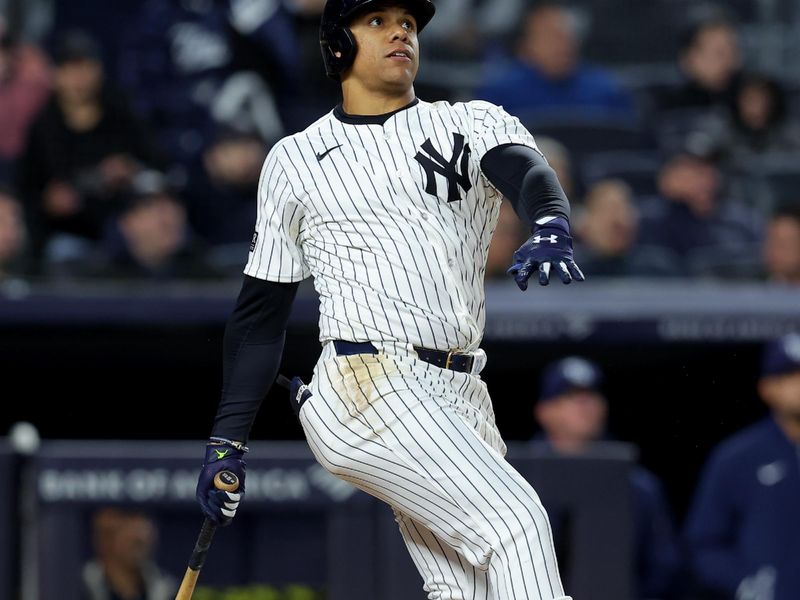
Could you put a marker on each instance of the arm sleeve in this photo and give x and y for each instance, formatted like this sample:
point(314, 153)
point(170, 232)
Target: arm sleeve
point(252, 350)
point(523, 176)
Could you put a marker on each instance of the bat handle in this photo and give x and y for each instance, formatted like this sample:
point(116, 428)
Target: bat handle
point(227, 482)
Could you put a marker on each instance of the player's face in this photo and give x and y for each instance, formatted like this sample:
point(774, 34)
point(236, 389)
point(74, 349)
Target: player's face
point(782, 394)
point(577, 417)
point(388, 50)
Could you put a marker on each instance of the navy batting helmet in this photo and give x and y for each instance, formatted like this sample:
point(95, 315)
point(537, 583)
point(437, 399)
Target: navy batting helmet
point(334, 36)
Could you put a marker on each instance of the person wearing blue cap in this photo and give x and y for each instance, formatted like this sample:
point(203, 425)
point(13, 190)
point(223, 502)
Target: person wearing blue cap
point(572, 412)
point(743, 529)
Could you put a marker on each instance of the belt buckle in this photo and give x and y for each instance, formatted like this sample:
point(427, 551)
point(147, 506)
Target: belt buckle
point(449, 360)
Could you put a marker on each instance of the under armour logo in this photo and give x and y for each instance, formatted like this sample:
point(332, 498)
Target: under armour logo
point(436, 163)
point(539, 239)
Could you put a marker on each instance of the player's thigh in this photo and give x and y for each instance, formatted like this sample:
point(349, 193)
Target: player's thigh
point(378, 402)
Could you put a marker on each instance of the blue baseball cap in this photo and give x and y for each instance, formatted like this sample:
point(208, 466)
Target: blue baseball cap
point(568, 374)
point(781, 356)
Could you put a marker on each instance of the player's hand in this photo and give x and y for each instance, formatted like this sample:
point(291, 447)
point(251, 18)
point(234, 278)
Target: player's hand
point(220, 507)
point(298, 391)
point(550, 247)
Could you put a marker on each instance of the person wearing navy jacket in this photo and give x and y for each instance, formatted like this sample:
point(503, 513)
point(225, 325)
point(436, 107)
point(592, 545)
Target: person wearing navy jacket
point(743, 529)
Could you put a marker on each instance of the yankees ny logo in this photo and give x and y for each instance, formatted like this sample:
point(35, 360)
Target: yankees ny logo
point(436, 163)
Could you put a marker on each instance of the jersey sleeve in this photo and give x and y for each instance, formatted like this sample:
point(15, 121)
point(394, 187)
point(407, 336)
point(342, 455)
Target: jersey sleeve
point(492, 126)
point(275, 251)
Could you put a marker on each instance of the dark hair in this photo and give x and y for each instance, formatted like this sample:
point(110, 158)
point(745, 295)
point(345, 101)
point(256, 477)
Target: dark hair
point(705, 17)
point(75, 45)
point(787, 211)
point(7, 190)
point(778, 110)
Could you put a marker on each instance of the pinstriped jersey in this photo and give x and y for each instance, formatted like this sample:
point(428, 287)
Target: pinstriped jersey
point(392, 217)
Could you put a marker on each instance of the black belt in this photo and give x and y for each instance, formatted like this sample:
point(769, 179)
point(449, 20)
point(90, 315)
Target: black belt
point(439, 358)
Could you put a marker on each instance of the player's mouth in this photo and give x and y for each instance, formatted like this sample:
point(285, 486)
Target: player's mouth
point(400, 54)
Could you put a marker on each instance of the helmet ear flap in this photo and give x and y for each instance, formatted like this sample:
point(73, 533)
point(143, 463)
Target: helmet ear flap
point(339, 40)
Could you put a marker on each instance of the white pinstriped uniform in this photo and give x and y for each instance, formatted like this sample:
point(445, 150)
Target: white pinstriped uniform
point(394, 221)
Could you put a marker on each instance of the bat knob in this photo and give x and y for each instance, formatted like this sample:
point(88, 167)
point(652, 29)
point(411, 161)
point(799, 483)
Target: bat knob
point(226, 481)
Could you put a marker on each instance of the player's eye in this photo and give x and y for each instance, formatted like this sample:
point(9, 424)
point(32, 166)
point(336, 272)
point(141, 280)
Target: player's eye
point(409, 25)
point(375, 22)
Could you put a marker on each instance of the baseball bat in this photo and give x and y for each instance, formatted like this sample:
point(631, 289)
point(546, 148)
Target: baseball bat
point(227, 482)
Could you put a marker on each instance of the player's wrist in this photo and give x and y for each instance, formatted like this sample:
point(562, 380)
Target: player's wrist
point(551, 222)
point(235, 444)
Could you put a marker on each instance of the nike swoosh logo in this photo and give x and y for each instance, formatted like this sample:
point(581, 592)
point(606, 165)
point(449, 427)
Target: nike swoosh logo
point(221, 454)
point(328, 151)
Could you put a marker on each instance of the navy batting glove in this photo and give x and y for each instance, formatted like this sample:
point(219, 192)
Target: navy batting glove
point(221, 455)
point(298, 394)
point(549, 247)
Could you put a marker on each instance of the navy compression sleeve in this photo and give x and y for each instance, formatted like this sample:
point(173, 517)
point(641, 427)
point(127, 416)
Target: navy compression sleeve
point(523, 176)
point(252, 349)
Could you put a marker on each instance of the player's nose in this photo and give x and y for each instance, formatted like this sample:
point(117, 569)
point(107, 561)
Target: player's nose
point(398, 32)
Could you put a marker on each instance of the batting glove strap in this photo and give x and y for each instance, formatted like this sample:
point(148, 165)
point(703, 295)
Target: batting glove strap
point(549, 247)
point(219, 506)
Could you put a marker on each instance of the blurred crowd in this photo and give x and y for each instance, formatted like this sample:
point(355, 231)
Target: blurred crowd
point(132, 133)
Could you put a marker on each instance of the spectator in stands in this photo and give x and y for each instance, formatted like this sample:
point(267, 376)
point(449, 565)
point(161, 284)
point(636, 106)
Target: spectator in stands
point(192, 66)
point(151, 239)
point(509, 234)
point(710, 62)
point(572, 412)
point(743, 529)
point(781, 251)
point(123, 568)
point(82, 152)
point(759, 121)
point(25, 81)
point(693, 225)
point(465, 29)
point(223, 209)
point(607, 226)
point(548, 76)
point(13, 236)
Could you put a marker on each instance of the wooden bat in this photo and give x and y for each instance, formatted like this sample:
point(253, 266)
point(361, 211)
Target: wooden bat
point(227, 482)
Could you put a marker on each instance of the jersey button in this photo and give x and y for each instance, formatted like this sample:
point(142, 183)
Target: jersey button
point(451, 262)
point(425, 216)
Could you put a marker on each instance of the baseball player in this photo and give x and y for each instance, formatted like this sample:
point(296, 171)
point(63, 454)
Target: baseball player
point(389, 203)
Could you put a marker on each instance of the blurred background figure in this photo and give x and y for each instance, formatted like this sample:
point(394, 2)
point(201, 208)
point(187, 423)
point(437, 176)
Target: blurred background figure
point(572, 413)
point(710, 63)
point(781, 250)
point(743, 530)
point(82, 152)
point(469, 29)
point(548, 76)
point(694, 226)
point(13, 236)
point(606, 227)
point(151, 239)
point(223, 197)
point(760, 122)
point(192, 66)
point(123, 566)
point(25, 81)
